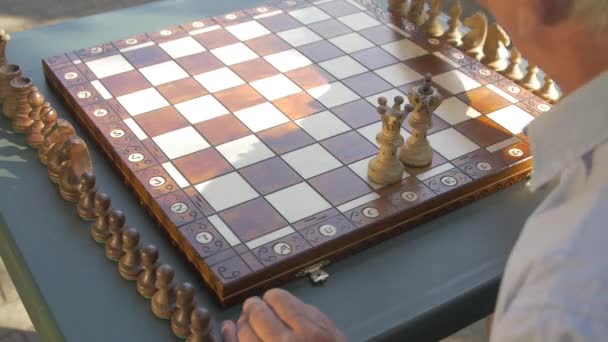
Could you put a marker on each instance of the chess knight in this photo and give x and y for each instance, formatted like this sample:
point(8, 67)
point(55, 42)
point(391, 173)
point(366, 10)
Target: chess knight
point(386, 168)
point(417, 151)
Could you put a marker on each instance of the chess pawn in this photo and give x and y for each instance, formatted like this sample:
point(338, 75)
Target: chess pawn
point(200, 326)
point(163, 300)
point(21, 87)
point(416, 13)
point(8, 72)
point(513, 71)
point(531, 81)
point(417, 151)
point(549, 91)
point(33, 134)
point(495, 49)
point(454, 36)
point(88, 191)
point(4, 38)
point(56, 156)
point(116, 226)
point(54, 140)
point(129, 265)
point(77, 163)
point(48, 115)
point(433, 25)
point(385, 168)
point(146, 280)
point(474, 41)
point(99, 228)
point(184, 302)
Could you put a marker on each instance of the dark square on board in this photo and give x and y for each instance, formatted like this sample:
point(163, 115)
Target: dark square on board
point(330, 28)
point(222, 129)
point(367, 84)
point(200, 63)
point(350, 147)
point(202, 165)
point(374, 58)
point(126, 83)
point(357, 114)
point(285, 138)
point(340, 186)
point(270, 175)
point(161, 121)
point(299, 105)
point(146, 56)
point(181, 90)
point(253, 219)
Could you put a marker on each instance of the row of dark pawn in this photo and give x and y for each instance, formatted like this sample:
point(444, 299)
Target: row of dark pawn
point(70, 166)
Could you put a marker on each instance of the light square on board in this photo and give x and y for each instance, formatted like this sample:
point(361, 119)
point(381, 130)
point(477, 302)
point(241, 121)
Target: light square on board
point(201, 109)
point(248, 30)
point(309, 15)
point(299, 36)
point(298, 202)
point(399, 74)
point(454, 111)
point(452, 144)
point(226, 191)
point(142, 101)
point(343, 67)
point(389, 95)
point(359, 21)
point(351, 42)
point(333, 94)
point(218, 80)
point(163, 73)
point(288, 60)
point(322, 125)
point(180, 142)
point(261, 117)
point(275, 87)
point(182, 47)
point(404, 49)
point(109, 66)
point(456, 82)
point(360, 168)
point(245, 151)
point(311, 161)
point(512, 118)
point(234, 53)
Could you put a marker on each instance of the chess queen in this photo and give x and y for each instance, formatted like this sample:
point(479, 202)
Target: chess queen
point(386, 168)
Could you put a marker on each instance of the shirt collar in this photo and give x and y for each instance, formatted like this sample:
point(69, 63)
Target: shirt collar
point(573, 128)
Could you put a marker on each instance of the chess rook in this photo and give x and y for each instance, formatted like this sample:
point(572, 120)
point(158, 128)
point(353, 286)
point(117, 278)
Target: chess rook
point(453, 35)
point(473, 42)
point(116, 226)
point(146, 280)
point(201, 327)
point(99, 228)
point(385, 168)
point(433, 26)
point(88, 191)
point(78, 162)
point(417, 151)
point(34, 133)
point(21, 88)
point(163, 300)
point(8, 72)
point(53, 141)
point(4, 38)
point(129, 265)
point(185, 304)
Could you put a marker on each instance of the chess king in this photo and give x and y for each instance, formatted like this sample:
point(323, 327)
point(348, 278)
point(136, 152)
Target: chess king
point(386, 168)
point(417, 151)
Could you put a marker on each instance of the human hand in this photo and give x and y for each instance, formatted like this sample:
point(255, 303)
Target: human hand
point(280, 317)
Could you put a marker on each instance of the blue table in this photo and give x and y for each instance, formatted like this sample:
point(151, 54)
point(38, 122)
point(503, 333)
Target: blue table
point(422, 285)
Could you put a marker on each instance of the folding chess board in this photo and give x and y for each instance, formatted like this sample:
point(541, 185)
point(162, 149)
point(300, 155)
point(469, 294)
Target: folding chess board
point(247, 136)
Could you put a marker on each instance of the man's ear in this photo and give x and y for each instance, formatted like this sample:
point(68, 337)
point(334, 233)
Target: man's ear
point(555, 12)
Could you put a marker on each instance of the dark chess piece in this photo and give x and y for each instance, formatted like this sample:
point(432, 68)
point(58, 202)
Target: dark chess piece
point(56, 156)
point(77, 163)
point(99, 228)
point(62, 132)
point(129, 264)
point(116, 225)
point(8, 72)
point(180, 320)
point(163, 300)
point(146, 281)
point(4, 38)
point(33, 134)
point(88, 191)
point(48, 115)
point(21, 88)
point(201, 327)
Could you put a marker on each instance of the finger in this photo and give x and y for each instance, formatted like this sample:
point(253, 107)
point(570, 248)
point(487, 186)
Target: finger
point(229, 331)
point(264, 321)
point(244, 331)
point(288, 308)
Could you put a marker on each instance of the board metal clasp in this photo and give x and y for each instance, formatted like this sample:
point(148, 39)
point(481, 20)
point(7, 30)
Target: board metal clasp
point(315, 272)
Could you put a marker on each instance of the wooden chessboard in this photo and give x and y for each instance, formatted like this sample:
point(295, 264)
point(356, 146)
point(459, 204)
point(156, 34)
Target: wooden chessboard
point(247, 136)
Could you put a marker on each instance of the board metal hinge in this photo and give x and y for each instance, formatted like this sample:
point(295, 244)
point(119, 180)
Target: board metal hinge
point(316, 273)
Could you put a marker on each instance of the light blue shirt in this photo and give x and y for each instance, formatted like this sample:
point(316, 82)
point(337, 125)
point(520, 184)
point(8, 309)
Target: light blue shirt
point(555, 286)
